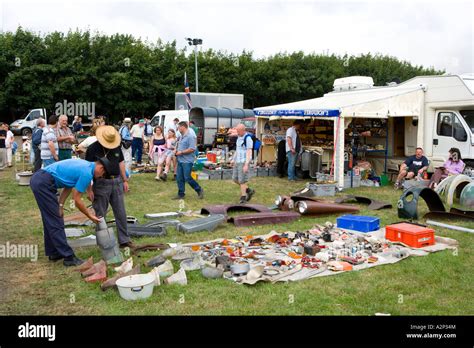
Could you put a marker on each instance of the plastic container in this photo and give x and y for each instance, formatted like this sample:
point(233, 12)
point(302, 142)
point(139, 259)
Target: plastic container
point(203, 176)
point(262, 171)
point(359, 223)
point(194, 175)
point(412, 235)
point(384, 180)
point(212, 157)
point(272, 171)
point(136, 287)
point(321, 190)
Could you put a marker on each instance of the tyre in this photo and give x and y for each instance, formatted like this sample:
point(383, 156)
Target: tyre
point(26, 132)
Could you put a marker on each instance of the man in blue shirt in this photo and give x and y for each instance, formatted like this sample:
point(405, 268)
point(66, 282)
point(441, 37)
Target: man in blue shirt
point(70, 175)
point(185, 152)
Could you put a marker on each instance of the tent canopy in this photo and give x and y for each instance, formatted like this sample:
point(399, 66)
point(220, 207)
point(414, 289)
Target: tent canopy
point(377, 102)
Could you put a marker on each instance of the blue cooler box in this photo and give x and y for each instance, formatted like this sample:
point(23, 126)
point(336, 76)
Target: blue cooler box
point(359, 223)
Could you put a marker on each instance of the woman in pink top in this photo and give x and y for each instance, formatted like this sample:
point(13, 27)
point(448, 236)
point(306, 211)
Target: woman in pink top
point(453, 166)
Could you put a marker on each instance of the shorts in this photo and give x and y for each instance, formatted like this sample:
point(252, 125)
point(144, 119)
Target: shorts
point(158, 159)
point(238, 174)
point(169, 153)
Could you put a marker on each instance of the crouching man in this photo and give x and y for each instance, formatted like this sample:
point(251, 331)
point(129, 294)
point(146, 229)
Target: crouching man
point(71, 175)
point(241, 162)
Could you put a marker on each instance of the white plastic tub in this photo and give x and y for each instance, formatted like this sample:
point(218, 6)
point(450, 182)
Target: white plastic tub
point(136, 287)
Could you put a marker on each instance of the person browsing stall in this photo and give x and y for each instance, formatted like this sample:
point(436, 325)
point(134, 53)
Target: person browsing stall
point(241, 163)
point(71, 175)
point(111, 188)
point(185, 154)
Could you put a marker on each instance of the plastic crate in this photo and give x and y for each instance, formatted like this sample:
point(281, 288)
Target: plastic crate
point(227, 174)
point(359, 223)
point(272, 171)
point(262, 171)
point(412, 235)
point(322, 189)
point(252, 172)
point(323, 177)
point(213, 174)
point(203, 176)
point(355, 181)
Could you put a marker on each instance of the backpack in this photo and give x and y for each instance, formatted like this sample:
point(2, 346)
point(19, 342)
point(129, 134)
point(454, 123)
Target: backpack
point(256, 142)
point(125, 143)
point(36, 137)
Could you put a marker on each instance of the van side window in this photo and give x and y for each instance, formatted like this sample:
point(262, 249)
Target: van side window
point(450, 126)
point(445, 124)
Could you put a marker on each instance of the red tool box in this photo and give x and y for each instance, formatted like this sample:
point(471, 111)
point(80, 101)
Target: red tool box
point(410, 234)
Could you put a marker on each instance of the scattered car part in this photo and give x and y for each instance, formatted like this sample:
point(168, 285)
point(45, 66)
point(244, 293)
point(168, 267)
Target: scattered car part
point(467, 196)
point(264, 218)
point(95, 268)
point(89, 240)
point(224, 209)
point(372, 203)
point(407, 209)
point(131, 220)
point(74, 232)
point(111, 282)
point(78, 219)
point(163, 216)
point(148, 247)
point(155, 261)
point(177, 278)
point(224, 261)
point(321, 207)
point(284, 203)
point(107, 243)
point(239, 269)
point(136, 286)
point(142, 231)
point(165, 270)
point(125, 266)
point(456, 187)
point(208, 223)
point(452, 214)
point(86, 265)
point(211, 272)
point(451, 227)
point(173, 223)
point(192, 264)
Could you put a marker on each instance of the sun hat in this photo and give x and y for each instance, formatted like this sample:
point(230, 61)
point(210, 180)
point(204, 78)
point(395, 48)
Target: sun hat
point(108, 137)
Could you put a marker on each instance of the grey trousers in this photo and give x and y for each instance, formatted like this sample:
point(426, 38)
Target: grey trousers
point(111, 191)
point(3, 157)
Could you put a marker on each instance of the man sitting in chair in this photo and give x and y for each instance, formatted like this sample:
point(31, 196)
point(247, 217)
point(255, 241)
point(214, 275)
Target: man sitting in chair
point(413, 165)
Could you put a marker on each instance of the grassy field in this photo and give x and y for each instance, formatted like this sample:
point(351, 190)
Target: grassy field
point(438, 284)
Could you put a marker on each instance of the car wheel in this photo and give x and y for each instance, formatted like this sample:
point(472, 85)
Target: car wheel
point(26, 132)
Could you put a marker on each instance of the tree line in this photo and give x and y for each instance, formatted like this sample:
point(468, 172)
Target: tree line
point(127, 77)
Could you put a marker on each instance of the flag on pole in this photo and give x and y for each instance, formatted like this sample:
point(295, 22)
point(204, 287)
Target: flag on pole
point(187, 94)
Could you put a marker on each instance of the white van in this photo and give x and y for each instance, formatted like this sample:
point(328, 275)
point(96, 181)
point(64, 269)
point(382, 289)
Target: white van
point(164, 118)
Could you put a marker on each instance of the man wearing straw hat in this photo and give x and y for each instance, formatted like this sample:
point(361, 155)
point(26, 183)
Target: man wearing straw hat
point(111, 188)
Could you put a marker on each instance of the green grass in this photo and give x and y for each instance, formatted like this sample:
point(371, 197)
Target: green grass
point(438, 284)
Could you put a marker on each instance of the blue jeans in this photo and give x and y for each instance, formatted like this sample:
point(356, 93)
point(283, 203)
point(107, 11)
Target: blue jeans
point(137, 147)
point(47, 162)
point(183, 176)
point(291, 165)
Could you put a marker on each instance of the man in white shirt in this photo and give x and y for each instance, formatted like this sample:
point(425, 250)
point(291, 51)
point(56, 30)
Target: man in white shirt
point(10, 139)
point(293, 148)
point(138, 134)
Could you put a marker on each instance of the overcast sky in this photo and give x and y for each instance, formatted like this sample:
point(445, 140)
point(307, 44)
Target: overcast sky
point(428, 33)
